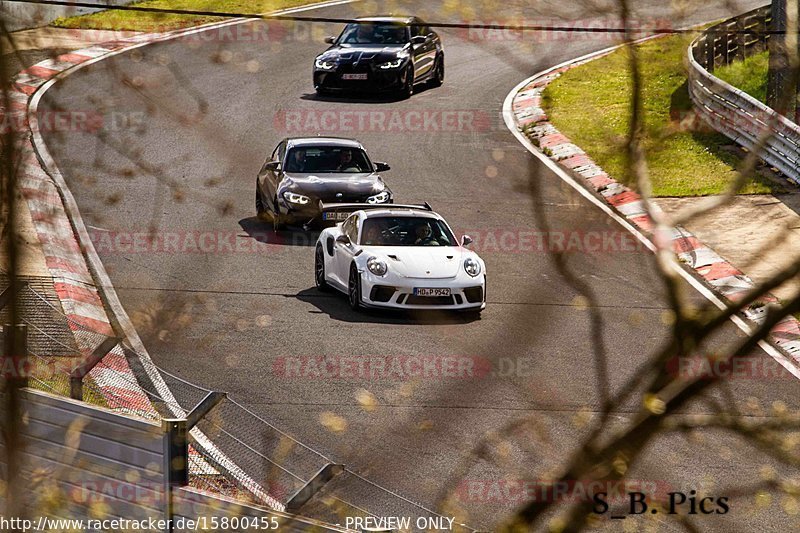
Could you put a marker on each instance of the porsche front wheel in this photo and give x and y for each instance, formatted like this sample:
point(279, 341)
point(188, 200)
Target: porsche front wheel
point(354, 289)
point(319, 270)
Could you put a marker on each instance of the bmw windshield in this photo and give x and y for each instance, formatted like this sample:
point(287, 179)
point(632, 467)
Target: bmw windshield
point(378, 34)
point(406, 231)
point(327, 159)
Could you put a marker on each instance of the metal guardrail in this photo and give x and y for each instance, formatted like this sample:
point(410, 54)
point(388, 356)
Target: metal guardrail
point(732, 112)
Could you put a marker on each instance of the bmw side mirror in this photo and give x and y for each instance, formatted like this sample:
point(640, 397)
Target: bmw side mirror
point(418, 39)
point(330, 40)
point(273, 166)
point(343, 239)
point(466, 240)
point(381, 167)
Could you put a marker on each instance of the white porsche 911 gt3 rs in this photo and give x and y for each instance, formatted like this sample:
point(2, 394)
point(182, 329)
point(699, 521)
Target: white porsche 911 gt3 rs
point(400, 257)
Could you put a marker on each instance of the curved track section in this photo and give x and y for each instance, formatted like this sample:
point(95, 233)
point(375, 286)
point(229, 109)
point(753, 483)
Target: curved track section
point(220, 300)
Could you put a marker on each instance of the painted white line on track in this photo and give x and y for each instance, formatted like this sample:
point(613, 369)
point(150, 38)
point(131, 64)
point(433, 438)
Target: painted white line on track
point(509, 119)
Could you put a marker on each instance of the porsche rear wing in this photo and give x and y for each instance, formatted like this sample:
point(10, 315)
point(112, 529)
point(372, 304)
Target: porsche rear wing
point(351, 207)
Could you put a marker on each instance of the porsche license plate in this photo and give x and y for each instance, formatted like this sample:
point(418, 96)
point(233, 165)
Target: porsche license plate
point(362, 76)
point(335, 215)
point(431, 292)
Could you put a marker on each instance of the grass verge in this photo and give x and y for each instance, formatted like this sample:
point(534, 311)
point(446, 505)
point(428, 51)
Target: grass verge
point(591, 105)
point(749, 75)
point(156, 22)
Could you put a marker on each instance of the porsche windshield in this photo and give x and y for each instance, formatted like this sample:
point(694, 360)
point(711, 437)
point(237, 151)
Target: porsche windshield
point(314, 159)
point(406, 231)
point(382, 33)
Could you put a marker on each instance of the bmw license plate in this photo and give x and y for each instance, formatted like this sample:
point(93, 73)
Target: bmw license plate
point(354, 76)
point(431, 292)
point(335, 215)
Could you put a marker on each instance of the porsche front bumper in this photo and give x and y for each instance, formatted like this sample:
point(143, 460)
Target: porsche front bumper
point(394, 292)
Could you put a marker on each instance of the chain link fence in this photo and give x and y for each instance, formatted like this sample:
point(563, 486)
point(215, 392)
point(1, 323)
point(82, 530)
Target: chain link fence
point(233, 451)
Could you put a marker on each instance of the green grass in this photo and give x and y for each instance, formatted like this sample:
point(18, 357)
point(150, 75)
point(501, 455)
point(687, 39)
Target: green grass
point(150, 22)
point(591, 105)
point(749, 75)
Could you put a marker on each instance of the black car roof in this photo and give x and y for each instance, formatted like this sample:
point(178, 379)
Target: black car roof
point(391, 18)
point(316, 141)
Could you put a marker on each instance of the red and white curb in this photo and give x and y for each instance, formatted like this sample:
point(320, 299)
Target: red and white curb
point(71, 258)
point(530, 120)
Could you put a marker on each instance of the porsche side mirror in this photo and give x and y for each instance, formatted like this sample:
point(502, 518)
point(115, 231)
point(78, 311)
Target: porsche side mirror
point(343, 239)
point(381, 167)
point(273, 166)
point(330, 40)
point(466, 240)
point(418, 39)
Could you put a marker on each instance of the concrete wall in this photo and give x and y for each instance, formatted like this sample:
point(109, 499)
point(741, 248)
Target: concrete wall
point(21, 16)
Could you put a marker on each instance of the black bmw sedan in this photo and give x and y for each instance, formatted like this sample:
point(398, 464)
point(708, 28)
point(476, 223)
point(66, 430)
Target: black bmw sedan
point(380, 54)
point(302, 172)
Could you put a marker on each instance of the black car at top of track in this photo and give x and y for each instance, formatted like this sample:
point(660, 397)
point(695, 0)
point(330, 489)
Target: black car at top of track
point(380, 54)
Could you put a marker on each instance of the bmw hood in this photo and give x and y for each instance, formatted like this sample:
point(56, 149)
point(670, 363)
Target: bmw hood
point(326, 186)
point(367, 54)
point(426, 262)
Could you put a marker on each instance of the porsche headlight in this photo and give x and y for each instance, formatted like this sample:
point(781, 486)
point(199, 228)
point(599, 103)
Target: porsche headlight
point(377, 266)
point(295, 198)
point(472, 267)
point(324, 64)
point(394, 63)
point(380, 198)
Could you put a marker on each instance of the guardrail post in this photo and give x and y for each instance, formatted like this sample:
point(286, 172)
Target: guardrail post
point(15, 371)
point(79, 372)
point(307, 491)
point(176, 449)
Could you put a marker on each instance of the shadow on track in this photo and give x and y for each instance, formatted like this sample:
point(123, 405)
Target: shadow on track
point(334, 304)
point(291, 236)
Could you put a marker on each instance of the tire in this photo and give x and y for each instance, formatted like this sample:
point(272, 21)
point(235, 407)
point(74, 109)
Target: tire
point(319, 270)
point(408, 88)
point(322, 91)
point(277, 222)
point(354, 289)
point(438, 74)
point(260, 209)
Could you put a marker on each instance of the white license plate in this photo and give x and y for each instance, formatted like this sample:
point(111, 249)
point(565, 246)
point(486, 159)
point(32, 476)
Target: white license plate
point(354, 76)
point(431, 292)
point(335, 215)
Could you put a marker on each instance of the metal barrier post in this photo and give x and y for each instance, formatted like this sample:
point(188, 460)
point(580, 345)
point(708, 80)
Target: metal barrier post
point(79, 372)
point(176, 449)
point(15, 372)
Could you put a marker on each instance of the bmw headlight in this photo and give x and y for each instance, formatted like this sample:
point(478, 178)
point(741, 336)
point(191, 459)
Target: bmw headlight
point(472, 267)
point(377, 266)
point(394, 63)
point(380, 198)
point(324, 64)
point(295, 198)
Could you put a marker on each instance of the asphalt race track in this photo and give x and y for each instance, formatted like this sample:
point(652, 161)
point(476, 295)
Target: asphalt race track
point(195, 119)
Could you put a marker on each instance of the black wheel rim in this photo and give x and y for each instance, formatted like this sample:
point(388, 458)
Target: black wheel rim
point(320, 268)
point(353, 292)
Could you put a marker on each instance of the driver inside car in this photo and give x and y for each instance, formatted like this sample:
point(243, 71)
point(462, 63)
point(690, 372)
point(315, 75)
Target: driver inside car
point(297, 163)
point(425, 235)
point(346, 162)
